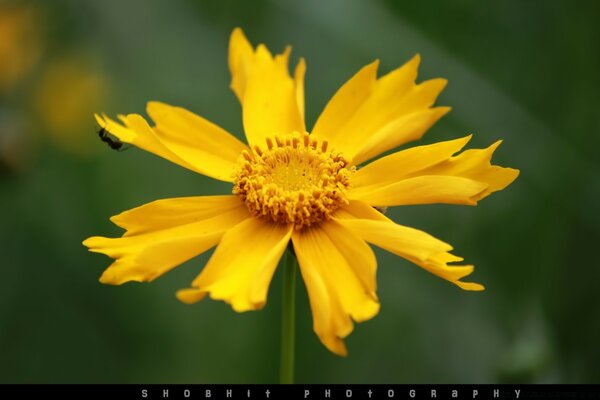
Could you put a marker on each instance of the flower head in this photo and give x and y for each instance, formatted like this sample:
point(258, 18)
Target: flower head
point(292, 185)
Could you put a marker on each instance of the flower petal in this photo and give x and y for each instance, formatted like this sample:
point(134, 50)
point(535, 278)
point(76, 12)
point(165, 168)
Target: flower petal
point(299, 74)
point(241, 58)
point(195, 139)
point(165, 233)
point(137, 132)
point(268, 94)
point(182, 138)
point(380, 114)
point(401, 164)
point(339, 272)
point(414, 245)
point(412, 127)
point(415, 176)
point(476, 164)
point(346, 102)
point(428, 189)
point(241, 268)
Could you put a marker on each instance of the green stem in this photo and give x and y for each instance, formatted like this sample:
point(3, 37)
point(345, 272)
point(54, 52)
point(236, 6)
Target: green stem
point(288, 319)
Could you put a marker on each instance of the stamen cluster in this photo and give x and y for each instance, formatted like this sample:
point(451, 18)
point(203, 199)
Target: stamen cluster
point(296, 180)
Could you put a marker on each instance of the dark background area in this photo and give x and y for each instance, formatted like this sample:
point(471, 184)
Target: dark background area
point(525, 72)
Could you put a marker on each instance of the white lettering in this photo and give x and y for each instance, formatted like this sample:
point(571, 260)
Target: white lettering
point(144, 393)
point(207, 394)
point(475, 393)
point(267, 392)
point(391, 393)
point(306, 393)
point(412, 393)
point(187, 393)
point(327, 393)
point(348, 393)
point(165, 393)
point(370, 392)
point(496, 393)
point(517, 392)
point(248, 392)
point(228, 393)
point(433, 394)
point(455, 394)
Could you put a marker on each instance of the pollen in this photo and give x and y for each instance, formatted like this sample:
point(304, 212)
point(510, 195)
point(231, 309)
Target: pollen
point(293, 179)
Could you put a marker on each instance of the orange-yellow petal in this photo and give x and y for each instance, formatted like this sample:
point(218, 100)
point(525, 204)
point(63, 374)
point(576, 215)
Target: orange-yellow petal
point(338, 269)
point(476, 164)
point(240, 270)
point(344, 104)
point(430, 174)
point(181, 137)
point(299, 74)
point(165, 233)
point(195, 139)
point(269, 95)
point(396, 166)
point(367, 116)
point(427, 189)
point(241, 58)
point(414, 245)
point(412, 127)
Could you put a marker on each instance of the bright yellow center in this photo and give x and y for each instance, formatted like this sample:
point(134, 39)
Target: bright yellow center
point(295, 180)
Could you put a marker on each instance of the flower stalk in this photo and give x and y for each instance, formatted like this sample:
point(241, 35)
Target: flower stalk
point(288, 318)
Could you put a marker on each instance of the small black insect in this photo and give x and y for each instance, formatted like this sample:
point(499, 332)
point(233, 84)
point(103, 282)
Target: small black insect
point(109, 139)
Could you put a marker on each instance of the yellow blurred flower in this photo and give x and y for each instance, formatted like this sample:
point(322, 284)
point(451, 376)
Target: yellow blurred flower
point(289, 185)
point(19, 44)
point(69, 90)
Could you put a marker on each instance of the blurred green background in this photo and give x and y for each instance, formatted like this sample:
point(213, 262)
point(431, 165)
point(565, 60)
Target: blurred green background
point(526, 72)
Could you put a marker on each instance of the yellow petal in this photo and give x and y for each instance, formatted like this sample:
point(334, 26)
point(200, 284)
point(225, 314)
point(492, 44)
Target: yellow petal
point(240, 270)
point(168, 213)
point(476, 164)
point(299, 74)
point(414, 245)
point(411, 126)
point(339, 272)
point(201, 143)
point(359, 209)
point(241, 57)
point(397, 166)
point(268, 94)
point(164, 234)
point(193, 147)
point(416, 176)
point(138, 133)
point(345, 102)
point(368, 116)
point(428, 189)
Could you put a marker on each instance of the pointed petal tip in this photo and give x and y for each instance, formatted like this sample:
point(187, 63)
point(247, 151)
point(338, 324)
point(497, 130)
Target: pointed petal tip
point(336, 346)
point(91, 242)
point(471, 286)
point(237, 32)
point(100, 119)
point(416, 58)
point(108, 277)
point(442, 110)
point(190, 295)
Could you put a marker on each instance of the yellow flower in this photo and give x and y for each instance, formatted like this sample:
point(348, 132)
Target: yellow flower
point(307, 188)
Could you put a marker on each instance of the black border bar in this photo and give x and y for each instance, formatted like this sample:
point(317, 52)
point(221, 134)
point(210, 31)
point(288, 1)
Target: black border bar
point(298, 391)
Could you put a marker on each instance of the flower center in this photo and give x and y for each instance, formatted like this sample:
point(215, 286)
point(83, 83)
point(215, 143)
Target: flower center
point(295, 180)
